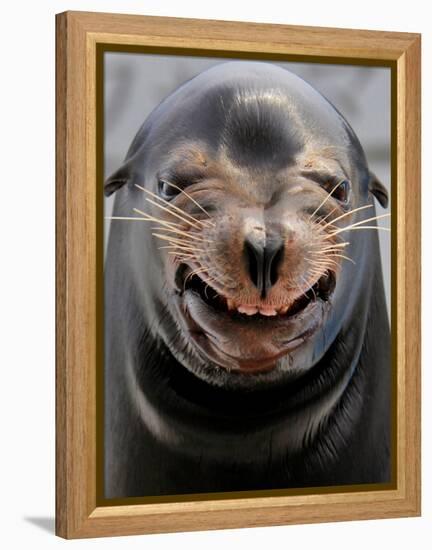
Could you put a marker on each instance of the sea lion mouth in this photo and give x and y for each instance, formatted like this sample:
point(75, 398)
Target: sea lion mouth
point(249, 338)
point(322, 289)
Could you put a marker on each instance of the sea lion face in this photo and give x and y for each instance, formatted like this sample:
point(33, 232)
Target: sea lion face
point(247, 177)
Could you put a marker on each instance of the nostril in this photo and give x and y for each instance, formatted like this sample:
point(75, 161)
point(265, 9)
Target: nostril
point(254, 254)
point(263, 262)
point(273, 255)
point(274, 264)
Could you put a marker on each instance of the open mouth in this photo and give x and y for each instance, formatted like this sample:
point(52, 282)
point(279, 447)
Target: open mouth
point(249, 337)
point(321, 290)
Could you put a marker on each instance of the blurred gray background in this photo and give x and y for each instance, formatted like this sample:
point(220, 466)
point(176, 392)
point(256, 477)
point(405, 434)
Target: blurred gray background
point(136, 83)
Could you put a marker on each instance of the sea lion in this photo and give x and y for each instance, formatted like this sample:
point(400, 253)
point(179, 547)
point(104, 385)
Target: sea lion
point(247, 342)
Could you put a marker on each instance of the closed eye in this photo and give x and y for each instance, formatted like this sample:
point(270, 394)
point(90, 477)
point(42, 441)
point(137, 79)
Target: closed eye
point(168, 190)
point(338, 187)
point(340, 190)
point(171, 183)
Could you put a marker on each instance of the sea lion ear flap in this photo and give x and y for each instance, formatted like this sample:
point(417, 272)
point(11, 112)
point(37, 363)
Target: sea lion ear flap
point(378, 190)
point(119, 178)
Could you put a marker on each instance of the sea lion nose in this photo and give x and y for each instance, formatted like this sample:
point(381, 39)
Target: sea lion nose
point(263, 258)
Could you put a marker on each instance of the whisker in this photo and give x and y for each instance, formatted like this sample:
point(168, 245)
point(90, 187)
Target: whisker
point(125, 218)
point(309, 285)
point(360, 223)
point(321, 258)
point(349, 213)
point(184, 233)
point(170, 227)
point(329, 251)
point(177, 247)
point(335, 246)
point(190, 198)
point(169, 205)
point(209, 280)
point(324, 263)
point(174, 240)
point(186, 247)
point(325, 217)
point(185, 220)
point(316, 269)
point(316, 272)
point(316, 276)
point(179, 251)
point(364, 227)
point(192, 273)
point(299, 289)
point(206, 280)
point(180, 247)
point(326, 198)
point(182, 254)
point(319, 253)
point(149, 218)
point(344, 257)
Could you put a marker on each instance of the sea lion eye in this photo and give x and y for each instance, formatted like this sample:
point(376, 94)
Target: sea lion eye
point(342, 191)
point(167, 190)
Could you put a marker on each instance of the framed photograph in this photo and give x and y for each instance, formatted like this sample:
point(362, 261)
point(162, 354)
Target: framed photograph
point(238, 274)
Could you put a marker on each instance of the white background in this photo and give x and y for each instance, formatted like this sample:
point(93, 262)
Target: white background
point(27, 272)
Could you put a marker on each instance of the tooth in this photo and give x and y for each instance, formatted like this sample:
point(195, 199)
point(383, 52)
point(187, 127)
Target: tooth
point(248, 310)
point(283, 310)
point(231, 304)
point(267, 311)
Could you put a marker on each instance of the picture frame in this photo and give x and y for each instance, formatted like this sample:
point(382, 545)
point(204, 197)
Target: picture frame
point(81, 39)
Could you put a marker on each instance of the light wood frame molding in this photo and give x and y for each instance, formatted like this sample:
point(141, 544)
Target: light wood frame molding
point(78, 36)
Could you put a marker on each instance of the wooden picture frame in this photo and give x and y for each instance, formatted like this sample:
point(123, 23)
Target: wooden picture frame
point(80, 39)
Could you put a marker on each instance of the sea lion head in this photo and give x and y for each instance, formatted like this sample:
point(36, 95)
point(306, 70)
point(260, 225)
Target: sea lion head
point(244, 181)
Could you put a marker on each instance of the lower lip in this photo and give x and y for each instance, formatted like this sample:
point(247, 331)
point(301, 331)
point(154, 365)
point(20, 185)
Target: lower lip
point(275, 336)
point(265, 364)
